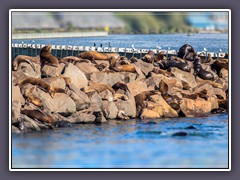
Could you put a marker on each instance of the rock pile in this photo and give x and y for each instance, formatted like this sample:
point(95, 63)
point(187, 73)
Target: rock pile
point(96, 89)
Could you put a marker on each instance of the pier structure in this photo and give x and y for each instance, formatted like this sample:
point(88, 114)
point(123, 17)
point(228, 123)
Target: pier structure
point(61, 51)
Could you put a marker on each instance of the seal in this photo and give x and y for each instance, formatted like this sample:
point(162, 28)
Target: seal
point(200, 72)
point(184, 50)
point(114, 64)
point(149, 57)
point(47, 58)
point(140, 98)
point(166, 64)
point(219, 64)
point(30, 98)
point(69, 59)
point(42, 85)
point(28, 59)
point(39, 115)
point(93, 87)
point(93, 55)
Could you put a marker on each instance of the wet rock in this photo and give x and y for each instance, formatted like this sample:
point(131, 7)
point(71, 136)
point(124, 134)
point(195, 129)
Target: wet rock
point(62, 124)
point(64, 104)
point(180, 134)
point(129, 106)
point(15, 130)
point(184, 76)
point(190, 127)
point(99, 117)
point(82, 117)
point(164, 107)
point(52, 71)
point(27, 69)
point(136, 87)
point(195, 108)
point(106, 95)
point(78, 78)
point(149, 114)
point(109, 110)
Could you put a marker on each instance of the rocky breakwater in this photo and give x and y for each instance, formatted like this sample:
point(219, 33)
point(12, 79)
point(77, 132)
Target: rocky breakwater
point(94, 87)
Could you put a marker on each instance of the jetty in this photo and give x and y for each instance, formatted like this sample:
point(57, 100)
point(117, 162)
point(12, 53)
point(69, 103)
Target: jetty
point(61, 51)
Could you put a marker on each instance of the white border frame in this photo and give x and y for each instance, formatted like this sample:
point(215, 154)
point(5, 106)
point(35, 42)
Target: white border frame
point(114, 10)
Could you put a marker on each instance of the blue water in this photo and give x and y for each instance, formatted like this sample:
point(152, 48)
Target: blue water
point(213, 42)
point(131, 144)
point(127, 144)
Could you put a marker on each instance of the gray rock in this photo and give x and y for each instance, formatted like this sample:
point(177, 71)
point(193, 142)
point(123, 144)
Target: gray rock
point(106, 95)
point(109, 109)
point(78, 78)
point(52, 71)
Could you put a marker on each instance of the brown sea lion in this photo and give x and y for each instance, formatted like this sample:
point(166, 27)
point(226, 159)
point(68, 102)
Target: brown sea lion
point(42, 85)
point(116, 66)
point(219, 64)
point(113, 55)
point(200, 72)
point(30, 98)
point(47, 58)
point(93, 55)
point(160, 56)
point(36, 114)
point(140, 98)
point(93, 86)
point(69, 59)
point(149, 57)
point(28, 59)
point(184, 50)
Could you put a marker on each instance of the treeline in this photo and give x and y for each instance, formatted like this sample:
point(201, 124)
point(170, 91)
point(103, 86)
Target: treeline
point(154, 22)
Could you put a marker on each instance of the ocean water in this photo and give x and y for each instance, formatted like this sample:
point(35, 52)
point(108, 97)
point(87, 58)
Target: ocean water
point(135, 143)
point(212, 42)
point(127, 144)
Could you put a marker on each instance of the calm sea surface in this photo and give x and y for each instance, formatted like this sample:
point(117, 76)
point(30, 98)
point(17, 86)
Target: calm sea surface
point(134, 143)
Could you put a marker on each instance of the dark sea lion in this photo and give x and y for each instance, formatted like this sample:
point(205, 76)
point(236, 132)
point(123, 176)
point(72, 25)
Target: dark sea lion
point(166, 64)
point(186, 48)
point(47, 58)
point(200, 72)
point(36, 114)
point(22, 58)
point(219, 64)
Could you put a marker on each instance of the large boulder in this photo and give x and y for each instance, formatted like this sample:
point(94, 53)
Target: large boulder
point(106, 95)
point(109, 110)
point(18, 76)
point(86, 68)
point(55, 82)
point(184, 76)
point(167, 110)
point(52, 71)
point(224, 74)
point(144, 66)
point(17, 102)
point(136, 87)
point(27, 69)
point(195, 108)
point(78, 78)
point(17, 96)
point(81, 100)
point(149, 114)
point(64, 104)
point(129, 106)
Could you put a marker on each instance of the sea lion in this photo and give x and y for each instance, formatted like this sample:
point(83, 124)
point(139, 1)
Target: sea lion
point(120, 85)
point(93, 55)
point(149, 57)
point(184, 50)
point(47, 58)
point(39, 115)
point(30, 98)
point(200, 72)
point(116, 66)
point(42, 85)
point(113, 55)
point(93, 86)
point(166, 64)
point(69, 59)
point(160, 56)
point(219, 64)
point(140, 98)
point(28, 59)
